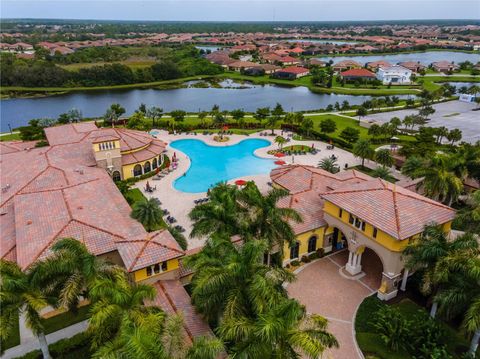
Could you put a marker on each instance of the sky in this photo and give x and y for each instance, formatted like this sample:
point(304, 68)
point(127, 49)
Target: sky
point(241, 10)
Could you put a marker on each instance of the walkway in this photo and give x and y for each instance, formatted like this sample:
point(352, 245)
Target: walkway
point(324, 290)
point(180, 203)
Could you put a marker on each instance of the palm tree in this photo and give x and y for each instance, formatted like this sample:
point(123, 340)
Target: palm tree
point(265, 218)
point(179, 237)
point(469, 217)
point(413, 167)
point(427, 252)
point(148, 213)
point(381, 172)
point(441, 182)
point(363, 150)
point(384, 157)
point(20, 295)
point(329, 164)
point(231, 286)
point(459, 273)
point(219, 214)
point(69, 271)
point(280, 141)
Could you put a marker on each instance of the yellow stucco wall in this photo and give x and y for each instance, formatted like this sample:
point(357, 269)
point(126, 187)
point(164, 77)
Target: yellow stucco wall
point(382, 238)
point(303, 238)
point(96, 146)
point(128, 169)
point(141, 274)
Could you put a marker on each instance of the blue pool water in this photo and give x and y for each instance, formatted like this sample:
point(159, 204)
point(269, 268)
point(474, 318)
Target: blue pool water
point(213, 164)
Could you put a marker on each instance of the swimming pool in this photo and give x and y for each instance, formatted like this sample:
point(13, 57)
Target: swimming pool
point(213, 164)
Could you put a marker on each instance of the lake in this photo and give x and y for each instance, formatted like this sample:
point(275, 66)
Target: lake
point(425, 58)
point(17, 112)
point(319, 41)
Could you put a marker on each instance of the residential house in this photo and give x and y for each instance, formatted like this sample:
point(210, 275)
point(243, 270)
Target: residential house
point(412, 66)
point(396, 75)
point(318, 63)
point(357, 74)
point(375, 65)
point(345, 65)
point(292, 72)
point(445, 66)
point(241, 65)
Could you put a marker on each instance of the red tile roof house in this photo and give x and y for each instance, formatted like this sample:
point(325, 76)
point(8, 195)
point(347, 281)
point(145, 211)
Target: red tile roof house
point(412, 66)
point(374, 65)
point(445, 66)
point(63, 194)
point(357, 74)
point(292, 72)
point(346, 65)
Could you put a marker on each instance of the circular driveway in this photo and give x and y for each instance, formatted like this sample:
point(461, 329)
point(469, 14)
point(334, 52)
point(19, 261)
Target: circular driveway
point(325, 290)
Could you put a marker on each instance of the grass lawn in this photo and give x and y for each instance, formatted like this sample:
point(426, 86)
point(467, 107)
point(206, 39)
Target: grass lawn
point(66, 319)
point(132, 63)
point(371, 344)
point(10, 137)
point(432, 83)
point(14, 338)
point(236, 131)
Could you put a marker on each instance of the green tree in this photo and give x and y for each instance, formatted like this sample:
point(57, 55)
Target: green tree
point(148, 213)
point(412, 167)
point(454, 135)
point(137, 122)
point(280, 141)
point(362, 149)
point(178, 116)
point(384, 157)
point(381, 172)
point(179, 237)
point(20, 295)
point(392, 327)
point(329, 164)
point(395, 122)
point(113, 113)
point(375, 131)
point(468, 217)
point(350, 134)
point(328, 125)
point(362, 112)
point(202, 117)
point(155, 113)
point(306, 126)
point(261, 114)
point(239, 116)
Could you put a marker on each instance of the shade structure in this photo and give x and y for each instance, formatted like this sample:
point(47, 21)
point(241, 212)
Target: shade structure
point(280, 162)
point(279, 154)
point(240, 182)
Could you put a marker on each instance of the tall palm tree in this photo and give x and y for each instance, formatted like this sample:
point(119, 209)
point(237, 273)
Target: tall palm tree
point(425, 253)
point(469, 218)
point(381, 172)
point(280, 141)
point(148, 213)
point(441, 182)
point(329, 164)
point(384, 157)
point(459, 273)
point(220, 214)
point(19, 295)
point(69, 271)
point(266, 220)
point(363, 150)
point(232, 287)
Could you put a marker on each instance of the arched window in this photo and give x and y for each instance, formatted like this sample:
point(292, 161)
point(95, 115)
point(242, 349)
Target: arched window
point(137, 170)
point(154, 163)
point(116, 176)
point(146, 167)
point(294, 250)
point(312, 244)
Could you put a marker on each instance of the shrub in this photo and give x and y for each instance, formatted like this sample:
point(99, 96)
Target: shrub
point(393, 328)
point(313, 256)
point(320, 252)
point(305, 259)
point(295, 263)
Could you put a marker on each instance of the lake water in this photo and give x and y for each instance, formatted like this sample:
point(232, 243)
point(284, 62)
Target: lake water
point(17, 112)
point(425, 58)
point(459, 85)
point(318, 41)
point(213, 164)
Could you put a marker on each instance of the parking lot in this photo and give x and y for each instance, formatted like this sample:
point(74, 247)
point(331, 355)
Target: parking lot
point(452, 114)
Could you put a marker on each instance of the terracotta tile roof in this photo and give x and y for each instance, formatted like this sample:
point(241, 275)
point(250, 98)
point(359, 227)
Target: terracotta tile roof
point(15, 146)
point(295, 70)
point(392, 209)
point(173, 298)
point(358, 73)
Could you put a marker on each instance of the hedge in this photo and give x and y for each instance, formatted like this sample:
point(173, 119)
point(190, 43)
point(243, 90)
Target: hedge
point(76, 347)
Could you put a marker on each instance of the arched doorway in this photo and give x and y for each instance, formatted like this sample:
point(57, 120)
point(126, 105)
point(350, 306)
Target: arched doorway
point(137, 170)
point(372, 266)
point(146, 167)
point(116, 176)
point(154, 163)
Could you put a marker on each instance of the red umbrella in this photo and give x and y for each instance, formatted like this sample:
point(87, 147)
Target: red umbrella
point(279, 154)
point(280, 162)
point(240, 182)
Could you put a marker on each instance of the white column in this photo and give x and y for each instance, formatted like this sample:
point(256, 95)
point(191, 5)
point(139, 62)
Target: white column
point(350, 254)
point(353, 266)
point(359, 259)
point(403, 286)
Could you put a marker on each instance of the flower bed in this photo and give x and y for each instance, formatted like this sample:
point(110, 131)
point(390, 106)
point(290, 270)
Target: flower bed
point(221, 138)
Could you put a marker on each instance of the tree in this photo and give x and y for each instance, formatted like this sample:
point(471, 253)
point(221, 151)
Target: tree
point(329, 164)
point(454, 135)
point(233, 288)
point(142, 108)
point(408, 121)
point(280, 141)
point(137, 122)
point(299, 118)
point(395, 122)
point(426, 111)
point(468, 218)
point(20, 295)
point(384, 157)
point(440, 133)
point(261, 114)
point(178, 116)
point(374, 131)
point(155, 113)
point(427, 252)
point(73, 115)
point(412, 167)
point(179, 237)
point(113, 113)
point(306, 126)
point(362, 112)
point(363, 150)
point(381, 172)
point(148, 213)
point(328, 125)
point(238, 115)
point(202, 117)
point(350, 134)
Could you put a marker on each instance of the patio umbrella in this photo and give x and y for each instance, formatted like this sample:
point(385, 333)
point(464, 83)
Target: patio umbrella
point(148, 185)
point(174, 158)
point(279, 154)
point(240, 182)
point(280, 162)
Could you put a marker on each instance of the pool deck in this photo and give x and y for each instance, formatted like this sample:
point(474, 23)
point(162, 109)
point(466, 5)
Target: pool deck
point(180, 203)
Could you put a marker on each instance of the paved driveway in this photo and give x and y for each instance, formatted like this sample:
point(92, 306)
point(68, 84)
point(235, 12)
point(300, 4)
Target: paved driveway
point(324, 290)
